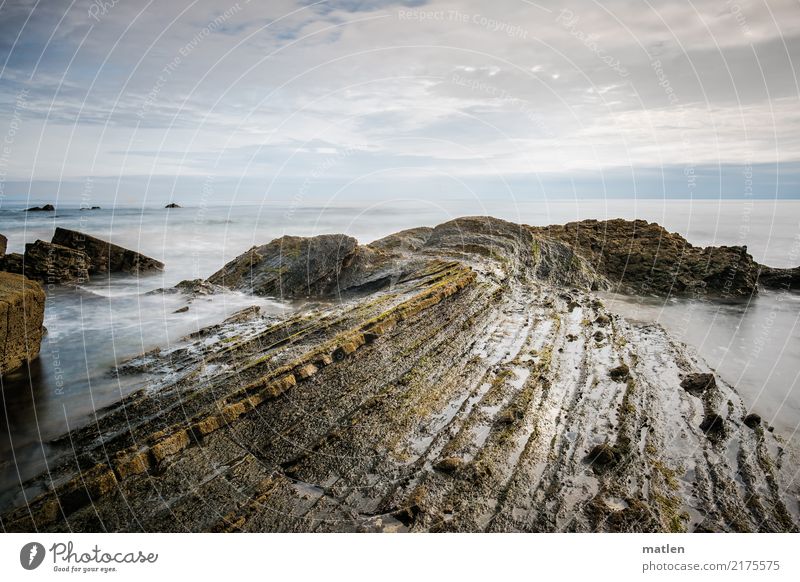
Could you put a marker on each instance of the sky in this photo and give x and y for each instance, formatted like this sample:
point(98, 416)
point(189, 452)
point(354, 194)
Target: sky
point(304, 102)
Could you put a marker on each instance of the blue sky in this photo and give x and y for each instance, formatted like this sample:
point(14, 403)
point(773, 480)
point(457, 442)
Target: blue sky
point(279, 101)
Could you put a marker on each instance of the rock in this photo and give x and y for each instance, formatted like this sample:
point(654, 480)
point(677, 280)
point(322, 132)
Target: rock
point(191, 287)
point(509, 416)
point(3, 245)
point(55, 264)
point(752, 420)
point(90, 208)
point(467, 336)
point(780, 279)
point(602, 455)
point(12, 263)
point(105, 257)
point(45, 208)
point(449, 464)
point(599, 336)
point(21, 316)
point(290, 267)
point(172, 205)
point(698, 383)
point(620, 373)
point(713, 425)
point(183, 309)
point(645, 258)
point(602, 320)
point(246, 314)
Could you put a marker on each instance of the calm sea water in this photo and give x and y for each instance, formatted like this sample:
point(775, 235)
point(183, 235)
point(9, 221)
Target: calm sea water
point(754, 345)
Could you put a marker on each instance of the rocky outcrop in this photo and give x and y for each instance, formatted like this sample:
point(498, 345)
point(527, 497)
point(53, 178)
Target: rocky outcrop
point(52, 263)
point(482, 387)
point(45, 208)
point(12, 263)
point(780, 279)
point(290, 267)
point(48, 263)
point(105, 257)
point(172, 205)
point(21, 316)
point(3, 245)
point(644, 258)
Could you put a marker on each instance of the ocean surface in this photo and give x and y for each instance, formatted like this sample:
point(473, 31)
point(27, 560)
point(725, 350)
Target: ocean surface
point(754, 344)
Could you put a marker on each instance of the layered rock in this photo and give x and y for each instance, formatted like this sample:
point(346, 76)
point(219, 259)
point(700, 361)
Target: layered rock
point(55, 264)
point(641, 257)
point(105, 257)
point(482, 388)
point(21, 316)
point(290, 267)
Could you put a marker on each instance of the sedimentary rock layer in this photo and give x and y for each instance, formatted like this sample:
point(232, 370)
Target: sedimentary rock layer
point(105, 257)
point(482, 386)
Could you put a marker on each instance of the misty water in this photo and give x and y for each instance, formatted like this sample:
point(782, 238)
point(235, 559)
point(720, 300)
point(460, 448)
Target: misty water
point(752, 344)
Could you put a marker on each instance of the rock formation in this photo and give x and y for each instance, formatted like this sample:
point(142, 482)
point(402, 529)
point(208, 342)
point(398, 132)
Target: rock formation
point(45, 208)
point(21, 316)
point(289, 267)
point(3, 245)
point(466, 379)
point(172, 205)
point(54, 264)
point(641, 257)
point(105, 257)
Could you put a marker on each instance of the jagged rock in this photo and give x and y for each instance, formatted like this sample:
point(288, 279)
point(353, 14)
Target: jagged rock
point(698, 383)
point(45, 208)
point(602, 320)
point(290, 266)
point(602, 454)
point(12, 263)
point(183, 309)
point(643, 257)
point(3, 245)
point(90, 208)
point(172, 205)
point(780, 279)
point(620, 373)
point(713, 425)
point(52, 264)
point(190, 287)
point(752, 420)
point(21, 316)
point(246, 314)
point(105, 257)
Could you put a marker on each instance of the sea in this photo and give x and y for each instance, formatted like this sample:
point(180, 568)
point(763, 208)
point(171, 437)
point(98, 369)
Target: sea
point(753, 344)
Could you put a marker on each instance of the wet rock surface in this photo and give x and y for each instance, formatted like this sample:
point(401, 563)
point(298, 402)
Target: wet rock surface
point(471, 390)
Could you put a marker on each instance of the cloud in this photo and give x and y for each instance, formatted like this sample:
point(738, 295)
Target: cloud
point(464, 88)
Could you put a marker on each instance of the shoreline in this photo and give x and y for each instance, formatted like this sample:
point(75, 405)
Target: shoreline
point(405, 306)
